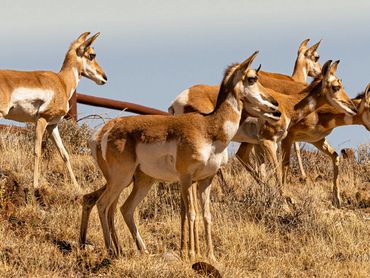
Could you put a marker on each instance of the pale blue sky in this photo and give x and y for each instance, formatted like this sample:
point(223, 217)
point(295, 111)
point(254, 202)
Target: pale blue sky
point(152, 50)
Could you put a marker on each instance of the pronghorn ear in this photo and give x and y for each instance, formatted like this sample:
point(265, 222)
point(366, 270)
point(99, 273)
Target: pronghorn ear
point(246, 64)
point(325, 69)
point(86, 44)
point(303, 45)
point(315, 46)
point(333, 67)
point(367, 94)
point(83, 37)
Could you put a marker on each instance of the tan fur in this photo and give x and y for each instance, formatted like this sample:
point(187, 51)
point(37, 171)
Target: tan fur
point(185, 157)
point(315, 127)
point(42, 96)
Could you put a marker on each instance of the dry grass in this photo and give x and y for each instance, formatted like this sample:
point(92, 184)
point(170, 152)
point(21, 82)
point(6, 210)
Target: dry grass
point(254, 233)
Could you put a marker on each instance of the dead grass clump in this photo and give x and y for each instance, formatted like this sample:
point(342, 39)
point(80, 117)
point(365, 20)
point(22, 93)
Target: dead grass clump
point(12, 193)
point(255, 232)
point(74, 137)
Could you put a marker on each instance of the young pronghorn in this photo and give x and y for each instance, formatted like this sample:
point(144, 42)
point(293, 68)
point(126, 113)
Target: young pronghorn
point(315, 127)
point(42, 96)
point(185, 148)
point(202, 98)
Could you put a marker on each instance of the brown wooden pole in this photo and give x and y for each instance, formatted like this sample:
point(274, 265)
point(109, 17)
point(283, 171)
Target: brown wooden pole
point(118, 105)
point(72, 113)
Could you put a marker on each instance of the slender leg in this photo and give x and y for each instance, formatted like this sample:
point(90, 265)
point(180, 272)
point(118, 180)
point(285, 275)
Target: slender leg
point(107, 198)
point(286, 147)
point(204, 190)
point(325, 147)
point(142, 184)
point(260, 161)
point(184, 234)
point(299, 158)
point(187, 194)
point(270, 149)
point(196, 223)
point(54, 132)
point(89, 201)
point(243, 155)
point(112, 227)
point(40, 129)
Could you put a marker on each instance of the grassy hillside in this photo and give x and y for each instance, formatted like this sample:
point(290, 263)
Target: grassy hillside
point(254, 232)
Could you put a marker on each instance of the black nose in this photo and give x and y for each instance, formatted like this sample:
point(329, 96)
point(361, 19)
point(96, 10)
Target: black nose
point(105, 77)
point(276, 114)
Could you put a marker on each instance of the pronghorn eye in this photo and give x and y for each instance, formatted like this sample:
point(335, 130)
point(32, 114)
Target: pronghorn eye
point(316, 58)
point(335, 88)
point(92, 56)
point(252, 80)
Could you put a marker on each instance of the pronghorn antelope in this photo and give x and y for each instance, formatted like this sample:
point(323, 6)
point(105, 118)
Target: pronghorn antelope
point(42, 96)
point(325, 90)
point(185, 148)
point(316, 126)
point(202, 98)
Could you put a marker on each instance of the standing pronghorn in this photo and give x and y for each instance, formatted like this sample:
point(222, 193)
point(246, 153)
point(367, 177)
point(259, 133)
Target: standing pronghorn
point(184, 148)
point(316, 126)
point(202, 98)
point(42, 96)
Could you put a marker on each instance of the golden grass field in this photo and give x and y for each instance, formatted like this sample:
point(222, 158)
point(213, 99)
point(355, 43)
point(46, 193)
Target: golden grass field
point(255, 234)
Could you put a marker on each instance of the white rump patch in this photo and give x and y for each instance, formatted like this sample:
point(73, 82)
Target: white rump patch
point(179, 102)
point(104, 144)
point(93, 141)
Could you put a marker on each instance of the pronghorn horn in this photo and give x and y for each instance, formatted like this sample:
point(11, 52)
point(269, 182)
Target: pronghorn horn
point(243, 66)
point(333, 67)
point(86, 44)
point(83, 37)
point(367, 90)
point(303, 45)
point(325, 68)
point(315, 46)
point(258, 69)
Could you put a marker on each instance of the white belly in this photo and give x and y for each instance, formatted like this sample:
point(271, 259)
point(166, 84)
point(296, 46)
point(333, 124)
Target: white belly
point(158, 160)
point(25, 103)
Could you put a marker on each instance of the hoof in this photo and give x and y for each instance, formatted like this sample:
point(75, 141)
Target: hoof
point(39, 198)
point(337, 202)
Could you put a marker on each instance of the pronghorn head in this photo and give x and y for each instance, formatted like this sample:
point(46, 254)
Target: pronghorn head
point(244, 80)
point(309, 58)
point(328, 88)
point(364, 109)
point(87, 64)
